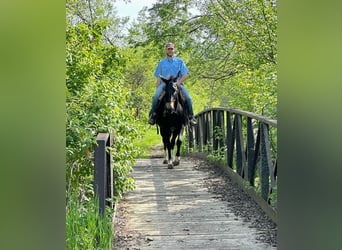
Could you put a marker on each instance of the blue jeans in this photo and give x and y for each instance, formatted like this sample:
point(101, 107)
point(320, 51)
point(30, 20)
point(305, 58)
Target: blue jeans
point(160, 89)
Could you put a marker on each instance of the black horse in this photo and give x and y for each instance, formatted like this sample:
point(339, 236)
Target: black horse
point(171, 118)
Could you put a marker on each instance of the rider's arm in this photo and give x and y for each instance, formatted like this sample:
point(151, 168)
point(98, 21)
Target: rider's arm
point(158, 81)
point(182, 79)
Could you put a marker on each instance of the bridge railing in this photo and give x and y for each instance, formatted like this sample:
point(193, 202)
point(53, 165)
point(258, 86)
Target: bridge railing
point(252, 138)
point(103, 171)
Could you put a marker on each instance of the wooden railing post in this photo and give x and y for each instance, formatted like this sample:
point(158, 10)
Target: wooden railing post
point(220, 120)
point(190, 134)
point(250, 151)
point(241, 167)
point(199, 133)
point(230, 140)
point(266, 163)
point(214, 131)
point(103, 171)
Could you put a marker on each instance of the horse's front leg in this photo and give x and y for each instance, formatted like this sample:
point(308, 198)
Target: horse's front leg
point(165, 154)
point(179, 144)
point(172, 155)
point(173, 141)
point(164, 139)
point(169, 151)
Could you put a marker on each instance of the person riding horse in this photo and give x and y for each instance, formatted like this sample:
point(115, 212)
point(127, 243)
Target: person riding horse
point(171, 67)
point(171, 118)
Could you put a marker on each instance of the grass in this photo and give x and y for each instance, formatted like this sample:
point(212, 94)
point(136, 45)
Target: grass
point(85, 228)
point(148, 139)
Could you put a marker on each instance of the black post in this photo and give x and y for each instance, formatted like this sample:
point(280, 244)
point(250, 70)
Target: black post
point(265, 161)
point(239, 145)
point(250, 151)
point(220, 120)
point(214, 131)
point(230, 139)
point(103, 174)
point(190, 131)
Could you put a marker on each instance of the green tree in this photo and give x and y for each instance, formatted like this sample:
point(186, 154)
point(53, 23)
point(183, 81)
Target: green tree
point(139, 78)
point(229, 47)
point(166, 20)
point(91, 12)
point(235, 52)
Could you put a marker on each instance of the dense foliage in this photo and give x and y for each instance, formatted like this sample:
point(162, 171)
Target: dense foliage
point(96, 101)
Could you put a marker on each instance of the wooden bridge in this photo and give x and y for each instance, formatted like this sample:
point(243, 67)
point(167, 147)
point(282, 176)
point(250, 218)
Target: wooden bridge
point(189, 207)
point(173, 209)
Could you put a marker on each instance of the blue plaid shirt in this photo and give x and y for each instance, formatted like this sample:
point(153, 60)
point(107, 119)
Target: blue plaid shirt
point(171, 67)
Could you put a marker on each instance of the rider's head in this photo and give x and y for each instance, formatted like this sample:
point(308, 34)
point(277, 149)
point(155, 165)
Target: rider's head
point(170, 49)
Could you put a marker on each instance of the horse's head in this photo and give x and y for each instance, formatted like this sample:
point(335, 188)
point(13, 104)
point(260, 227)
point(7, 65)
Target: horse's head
point(171, 92)
point(170, 111)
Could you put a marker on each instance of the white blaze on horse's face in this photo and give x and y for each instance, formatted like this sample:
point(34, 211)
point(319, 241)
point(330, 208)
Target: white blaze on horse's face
point(168, 105)
point(172, 105)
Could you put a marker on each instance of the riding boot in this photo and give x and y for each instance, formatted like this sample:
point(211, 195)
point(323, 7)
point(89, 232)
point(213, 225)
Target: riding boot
point(192, 120)
point(152, 119)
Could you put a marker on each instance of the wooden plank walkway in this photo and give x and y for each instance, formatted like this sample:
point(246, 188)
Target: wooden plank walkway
point(172, 209)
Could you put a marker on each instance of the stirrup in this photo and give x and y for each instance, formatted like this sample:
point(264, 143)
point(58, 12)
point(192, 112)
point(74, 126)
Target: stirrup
point(152, 119)
point(192, 121)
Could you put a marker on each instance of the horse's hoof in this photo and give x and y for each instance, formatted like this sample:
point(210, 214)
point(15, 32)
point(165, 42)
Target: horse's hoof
point(176, 163)
point(170, 166)
point(165, 162)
